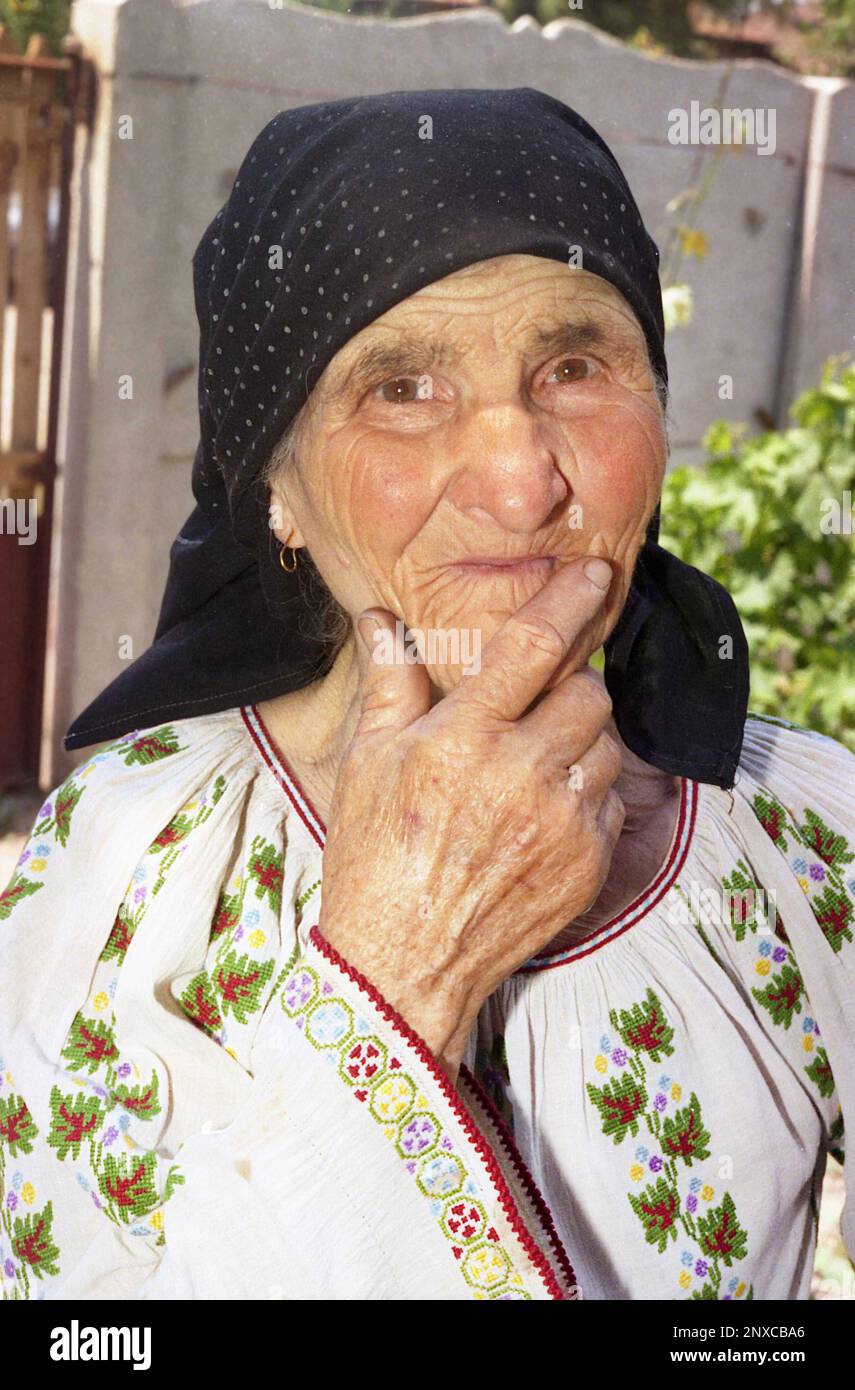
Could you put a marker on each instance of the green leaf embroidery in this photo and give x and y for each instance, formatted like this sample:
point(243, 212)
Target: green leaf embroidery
point(644, 1029)
point(90, 1042)
point(150, 747)
point(657, 1208)
point(683, 1134)
point(18, 889)
point(620, 1102)
point(266, 867)
point(199, 1003)
point(820, 1073)
point(781, 995)
point(721, 1236)
point(74, 1119)
point(238, 982)
point(126, 1183)
point(17, 1127)
point(32, 1242)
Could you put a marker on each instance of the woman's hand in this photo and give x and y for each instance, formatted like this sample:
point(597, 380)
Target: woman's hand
point(459, 841)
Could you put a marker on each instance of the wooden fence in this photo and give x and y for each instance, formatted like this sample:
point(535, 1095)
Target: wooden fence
point(41, 99)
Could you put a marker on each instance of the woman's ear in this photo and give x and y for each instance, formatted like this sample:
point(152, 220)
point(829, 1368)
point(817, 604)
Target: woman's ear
point(282, 521)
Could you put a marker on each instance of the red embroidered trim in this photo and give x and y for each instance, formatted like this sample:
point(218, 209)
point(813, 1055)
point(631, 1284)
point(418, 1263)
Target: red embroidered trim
point(277, 773)
point(532, 1190)
point(476, 1138)
point(663, 881)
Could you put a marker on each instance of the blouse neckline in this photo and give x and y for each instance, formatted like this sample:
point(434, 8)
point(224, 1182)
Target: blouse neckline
point(629, 916)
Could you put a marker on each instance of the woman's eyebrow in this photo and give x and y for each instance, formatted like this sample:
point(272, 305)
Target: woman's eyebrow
point(411, 354)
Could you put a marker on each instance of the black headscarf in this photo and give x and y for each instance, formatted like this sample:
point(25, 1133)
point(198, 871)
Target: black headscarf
point(340, 210)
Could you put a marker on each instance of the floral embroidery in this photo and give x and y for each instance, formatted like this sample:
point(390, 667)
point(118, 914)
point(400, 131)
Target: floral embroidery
point(239, 982)
point(29, 1232)
point(376, 1078)
point(169, 843)
point(745, 900)
point(56, 817)
point(121, 935)
point(17, 1126)
point(127, 1188)
point(820, 873)
point(632, 1097)
point(33, 1246)
point(103, 1119)
point(147, 747)
point(233, 985)
point(782, 995)
point(644, 1028)
point(18, 889)
point(200, 1005)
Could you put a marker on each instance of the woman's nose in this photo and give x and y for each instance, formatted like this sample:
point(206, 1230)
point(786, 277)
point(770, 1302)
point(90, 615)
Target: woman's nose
point(505, 467)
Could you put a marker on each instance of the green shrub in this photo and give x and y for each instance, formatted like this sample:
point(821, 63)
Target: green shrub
point(770, 517)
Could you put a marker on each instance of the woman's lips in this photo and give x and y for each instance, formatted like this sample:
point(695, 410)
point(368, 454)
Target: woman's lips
point(542, 565)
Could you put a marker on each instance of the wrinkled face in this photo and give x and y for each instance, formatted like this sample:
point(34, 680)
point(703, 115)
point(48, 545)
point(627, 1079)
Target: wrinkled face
point(506, 413)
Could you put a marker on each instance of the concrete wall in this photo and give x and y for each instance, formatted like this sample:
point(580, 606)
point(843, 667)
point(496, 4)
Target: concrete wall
point(201, 79)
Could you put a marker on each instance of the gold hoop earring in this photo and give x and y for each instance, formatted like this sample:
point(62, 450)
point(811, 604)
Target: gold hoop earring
point(289, 569)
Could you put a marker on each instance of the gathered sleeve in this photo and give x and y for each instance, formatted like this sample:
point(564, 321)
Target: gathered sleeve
point(199, 1098)
point(790, 837)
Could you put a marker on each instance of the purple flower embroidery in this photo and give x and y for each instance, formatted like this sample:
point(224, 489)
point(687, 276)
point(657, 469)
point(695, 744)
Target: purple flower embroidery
point(96, 1201)
point(11, 1201)
point(660, 1102)
point(109, 1136)
point(9, 1269)
point(124, 1069)
point(817, 871)
point(701, 1269)
point(779, 954)
point(692, 1203)
point(655, 1164)
point(418, 1135)
point(298, 990)
point(45, 811)
point(619, 1057)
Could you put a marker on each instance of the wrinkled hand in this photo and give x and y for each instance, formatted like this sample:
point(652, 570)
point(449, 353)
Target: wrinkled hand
point(458, 843)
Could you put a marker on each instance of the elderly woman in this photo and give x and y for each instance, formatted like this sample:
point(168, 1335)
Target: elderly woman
point(363, 967)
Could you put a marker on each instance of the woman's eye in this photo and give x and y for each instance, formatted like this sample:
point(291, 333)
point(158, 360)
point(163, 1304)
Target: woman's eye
point(401, 390)
point(573, 369)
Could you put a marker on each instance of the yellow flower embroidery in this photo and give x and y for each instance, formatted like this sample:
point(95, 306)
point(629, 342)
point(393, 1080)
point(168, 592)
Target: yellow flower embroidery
point(37, 865)
point(28, 1193)
point(100, 1001)
point(762, 967)
point(636, 1172)
point(685, 1279)
point(807, 1044)
point(257, 938)
point(803, 884)
point(676, 1091)
point(156, 1220)
point(707, 1193)
point(740, 1290)
point(600, 1062)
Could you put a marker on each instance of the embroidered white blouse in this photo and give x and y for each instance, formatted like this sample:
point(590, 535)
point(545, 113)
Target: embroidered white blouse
point(200, 1099)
